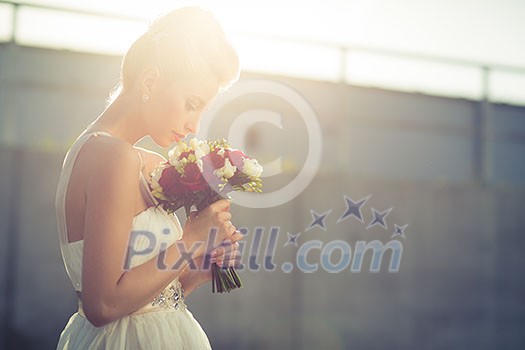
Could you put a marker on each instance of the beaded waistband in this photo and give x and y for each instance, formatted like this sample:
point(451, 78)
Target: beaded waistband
point(171, 298)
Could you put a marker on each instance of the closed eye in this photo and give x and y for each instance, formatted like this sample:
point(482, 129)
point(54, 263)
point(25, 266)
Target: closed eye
point(194, 103)
point(190, 106)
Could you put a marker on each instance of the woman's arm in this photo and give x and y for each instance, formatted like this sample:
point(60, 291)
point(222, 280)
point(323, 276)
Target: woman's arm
point(188, 278)
point(191, 280)
point(109, 291)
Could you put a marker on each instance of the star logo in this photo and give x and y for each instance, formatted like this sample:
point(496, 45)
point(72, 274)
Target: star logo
point(318, 220)
point(379, 218)
point(399, 231)
point(292, 239)
point(353, 208)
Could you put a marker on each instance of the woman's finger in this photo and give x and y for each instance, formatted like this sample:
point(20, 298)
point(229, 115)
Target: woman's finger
point(233, 262)
point(236, 236)
point(224, 215)
point(234, 253)
point(230, 256)
point(221, 205)
point(220, 253)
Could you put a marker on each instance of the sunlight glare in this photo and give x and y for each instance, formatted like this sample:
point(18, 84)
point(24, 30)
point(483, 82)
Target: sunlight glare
point(288, 58)
point(508, 87)
point(76, 32)
point(413, 75)
point(293, 39)
point(6, 19)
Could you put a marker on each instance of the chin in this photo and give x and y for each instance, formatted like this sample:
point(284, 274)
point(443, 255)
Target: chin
point(163, 142)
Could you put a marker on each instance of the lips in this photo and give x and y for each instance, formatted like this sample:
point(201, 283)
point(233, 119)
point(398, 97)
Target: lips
point(176, 136)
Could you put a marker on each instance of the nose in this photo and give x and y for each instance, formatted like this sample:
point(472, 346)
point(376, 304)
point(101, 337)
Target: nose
point(192, 128)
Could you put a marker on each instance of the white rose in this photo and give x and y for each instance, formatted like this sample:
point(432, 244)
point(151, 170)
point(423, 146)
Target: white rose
point(200, 148)
point(194, 143)
point(155, 177)
point(203, 150)
point(200, 165)
point(252, 168)
point(175, 152)
point(227, 171)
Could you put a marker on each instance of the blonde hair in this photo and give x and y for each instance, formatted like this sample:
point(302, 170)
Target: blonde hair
point(186, 43)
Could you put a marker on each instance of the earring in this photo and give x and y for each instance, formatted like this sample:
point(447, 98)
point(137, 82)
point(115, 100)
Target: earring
point(145, 98)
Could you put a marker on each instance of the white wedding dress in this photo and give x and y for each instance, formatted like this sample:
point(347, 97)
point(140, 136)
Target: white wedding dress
point(163, 323)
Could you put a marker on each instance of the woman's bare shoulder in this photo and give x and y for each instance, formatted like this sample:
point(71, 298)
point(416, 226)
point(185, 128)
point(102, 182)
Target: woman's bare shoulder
point(103, 154)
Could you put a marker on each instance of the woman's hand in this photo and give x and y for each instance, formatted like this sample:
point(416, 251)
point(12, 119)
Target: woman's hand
point(227, 254)
point(199, 226)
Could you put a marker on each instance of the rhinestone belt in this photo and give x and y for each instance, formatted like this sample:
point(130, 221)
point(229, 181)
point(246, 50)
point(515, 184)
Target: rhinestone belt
point(172, 297)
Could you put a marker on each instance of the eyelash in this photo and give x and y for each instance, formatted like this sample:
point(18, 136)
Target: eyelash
point(190, 106)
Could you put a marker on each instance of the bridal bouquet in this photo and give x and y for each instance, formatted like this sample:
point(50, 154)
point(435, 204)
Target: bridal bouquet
point(199, 173)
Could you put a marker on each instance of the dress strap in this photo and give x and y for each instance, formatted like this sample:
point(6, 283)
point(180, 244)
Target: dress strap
point(144, 186)
point(141, 161)
point(97, 133)
point(144, 189)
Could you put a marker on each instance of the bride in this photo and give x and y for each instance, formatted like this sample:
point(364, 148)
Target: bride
point(169, 76)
